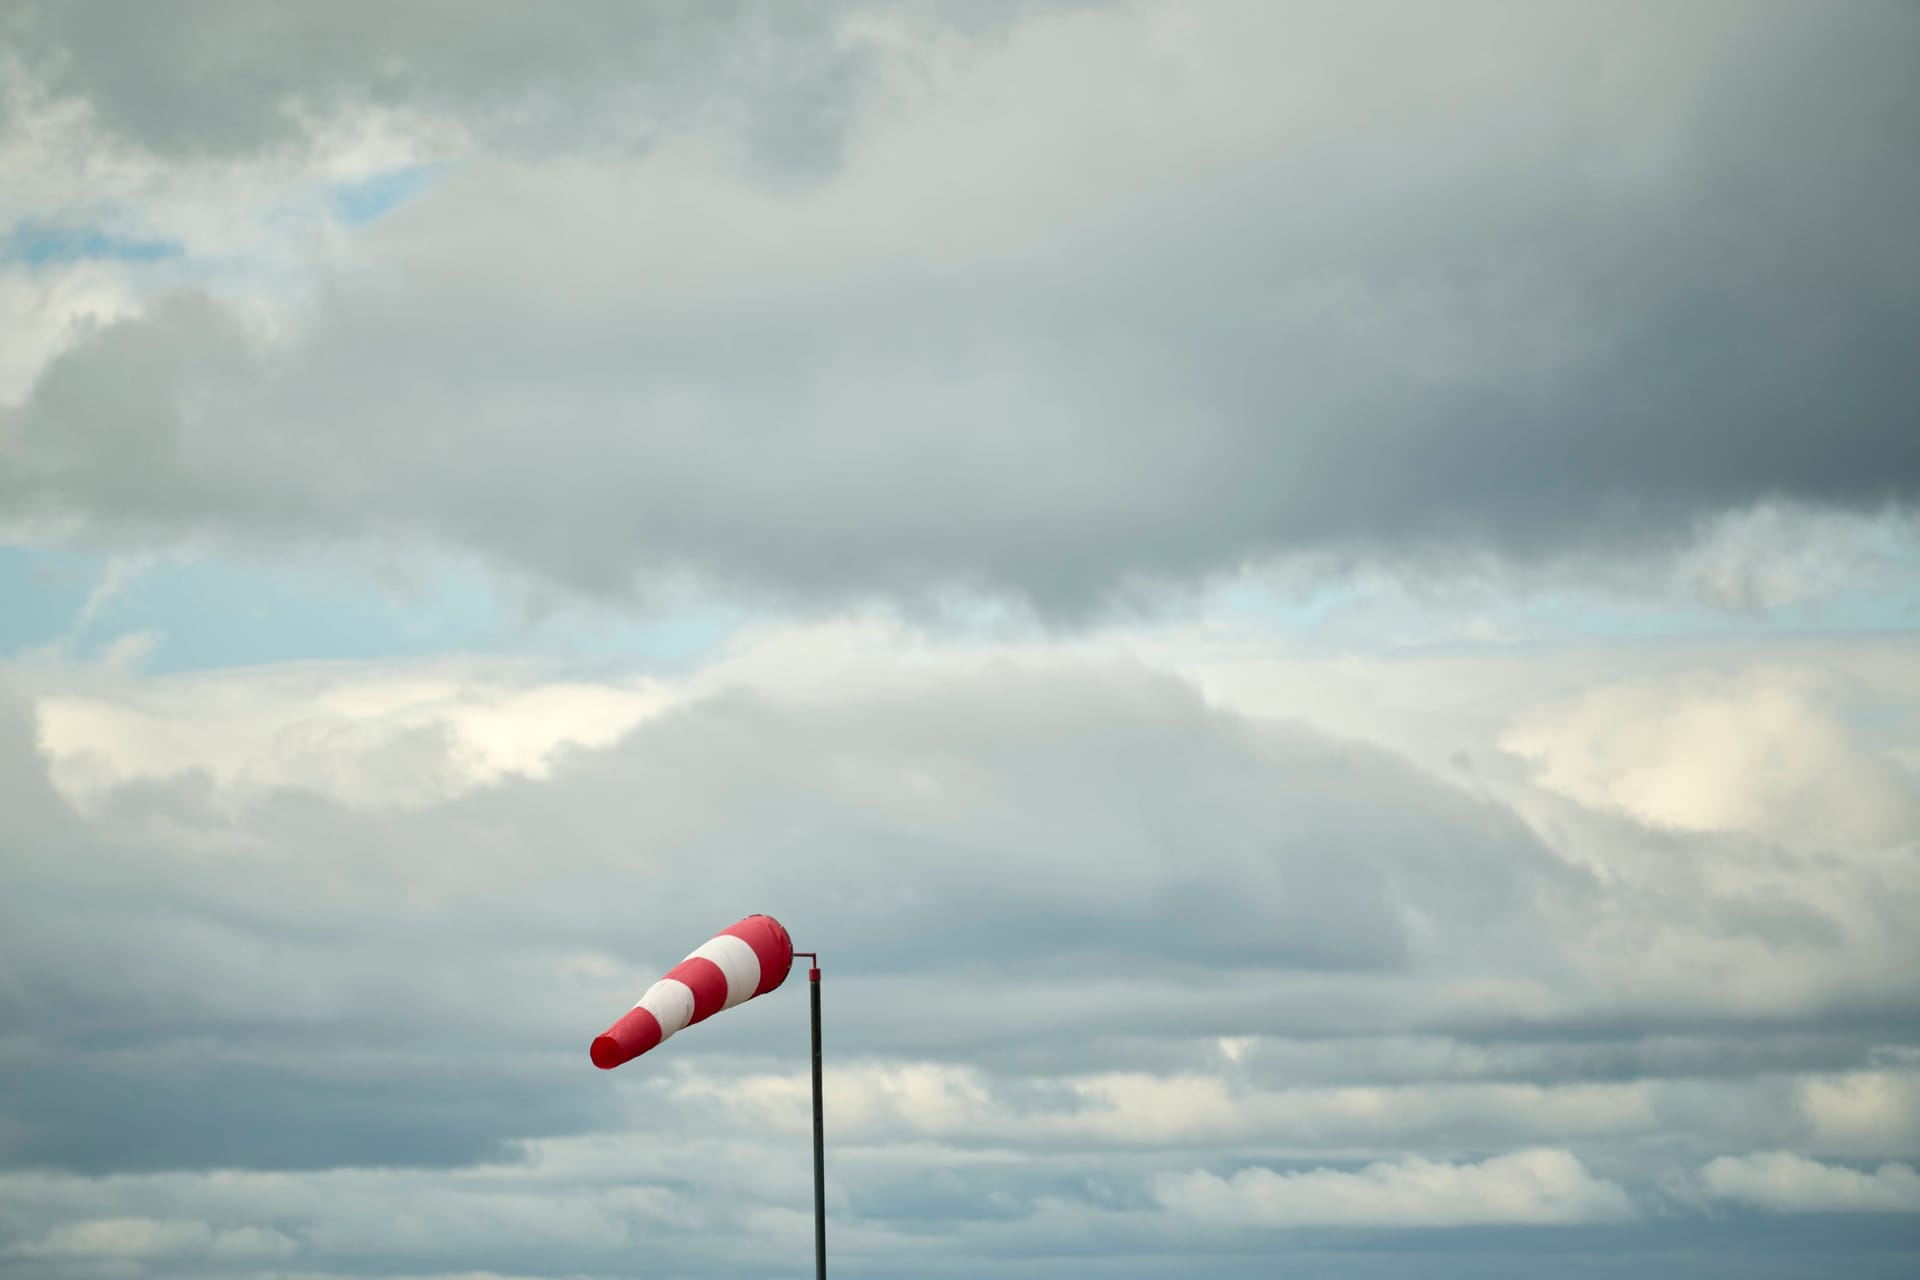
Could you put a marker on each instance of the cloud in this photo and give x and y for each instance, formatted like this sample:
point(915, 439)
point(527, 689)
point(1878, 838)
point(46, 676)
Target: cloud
point(297, 933)
point(283, 71)
point(145, 1237)
point(1773, 556)
point(1786, 1183)
point(1361, 1112)
point(45, 312)
point(1054, 349)
point(1710, 750)
point(1253, 879)
point(1866, 1112)
point(877, 1101)
point(1435, 838)
point(1538, 1186)
point(364, 739)
point(256, 992)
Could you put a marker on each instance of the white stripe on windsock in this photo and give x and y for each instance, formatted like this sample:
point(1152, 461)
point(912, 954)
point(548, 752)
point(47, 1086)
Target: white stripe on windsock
point(736, 960)
point(670, 1001)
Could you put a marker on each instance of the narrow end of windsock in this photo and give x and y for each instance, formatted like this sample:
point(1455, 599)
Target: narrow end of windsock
point(626, 1039)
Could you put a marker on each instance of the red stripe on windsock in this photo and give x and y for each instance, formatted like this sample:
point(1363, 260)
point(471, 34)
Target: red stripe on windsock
point(770, 944)
point(708, 984)
point(626, 1039)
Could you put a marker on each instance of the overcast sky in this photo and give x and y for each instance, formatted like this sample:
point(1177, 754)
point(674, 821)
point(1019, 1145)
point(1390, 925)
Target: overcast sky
point(1315, 607)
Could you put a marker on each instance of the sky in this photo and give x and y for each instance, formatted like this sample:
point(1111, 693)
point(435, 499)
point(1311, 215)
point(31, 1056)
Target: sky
point(1314, 607)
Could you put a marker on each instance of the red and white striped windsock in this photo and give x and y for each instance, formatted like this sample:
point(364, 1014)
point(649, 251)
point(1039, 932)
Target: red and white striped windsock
point(747, 959)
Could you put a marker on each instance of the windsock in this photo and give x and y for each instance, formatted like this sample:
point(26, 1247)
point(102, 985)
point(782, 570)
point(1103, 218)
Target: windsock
point(747, 959)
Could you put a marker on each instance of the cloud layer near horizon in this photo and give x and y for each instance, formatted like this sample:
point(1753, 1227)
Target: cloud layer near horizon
point(1201, 975)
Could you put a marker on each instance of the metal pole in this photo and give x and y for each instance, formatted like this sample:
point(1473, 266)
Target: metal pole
point(819, 1132)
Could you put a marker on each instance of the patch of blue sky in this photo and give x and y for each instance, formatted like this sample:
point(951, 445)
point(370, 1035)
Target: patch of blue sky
point(1887, 608)
point(42, 592)
point(368, 199)
point(1300, 609)
point(218, 612)
point(40, 243)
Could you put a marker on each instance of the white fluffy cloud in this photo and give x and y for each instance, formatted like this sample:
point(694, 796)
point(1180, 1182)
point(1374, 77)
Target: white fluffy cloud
point(1760, 751)
point(109, 1238)
point(382, 738)
point(1538, 1186)
point(1787, 1183)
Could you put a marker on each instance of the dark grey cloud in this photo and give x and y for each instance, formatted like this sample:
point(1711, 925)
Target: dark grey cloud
point(223, 78)
point(1539, 283)
point(215, 79)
